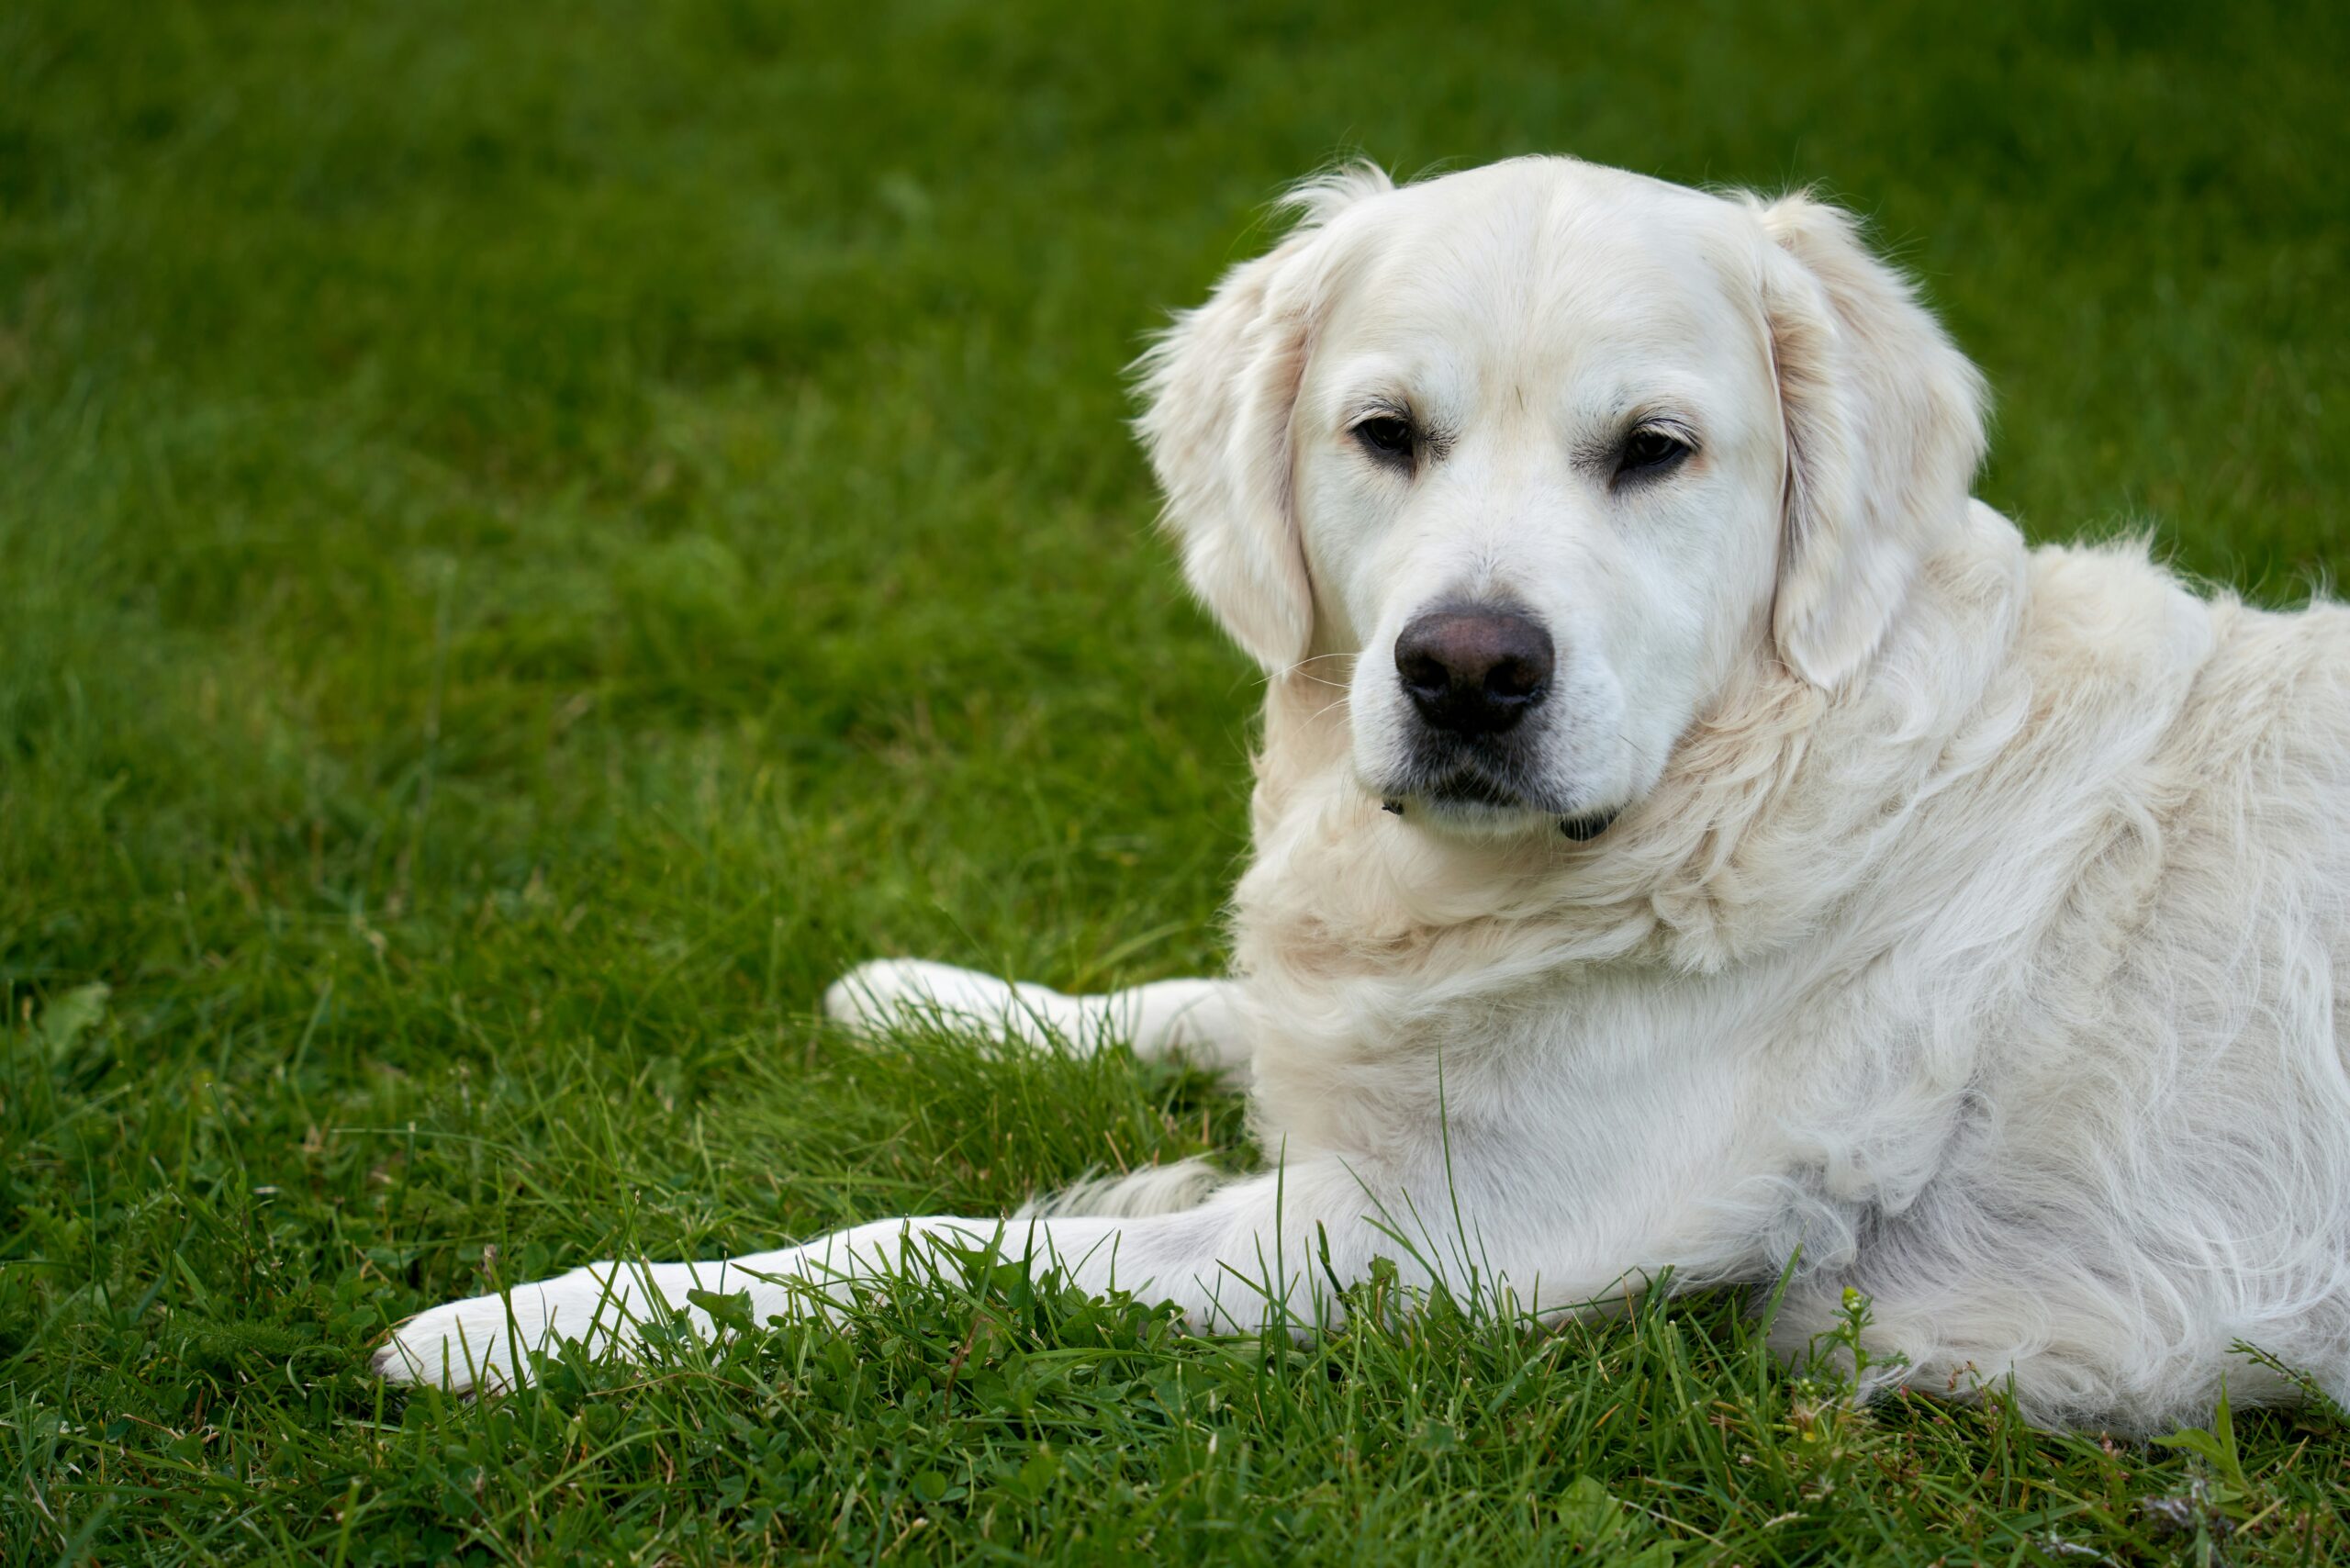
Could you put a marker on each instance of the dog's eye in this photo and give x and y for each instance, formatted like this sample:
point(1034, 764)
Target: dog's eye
point(1652, 448)
point(1385, 436)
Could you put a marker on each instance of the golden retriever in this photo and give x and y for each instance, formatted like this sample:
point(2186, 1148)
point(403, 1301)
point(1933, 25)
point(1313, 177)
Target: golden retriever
point(1690, 834)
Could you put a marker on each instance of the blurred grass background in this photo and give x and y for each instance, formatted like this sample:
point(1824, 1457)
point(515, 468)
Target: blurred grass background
point(529, 537)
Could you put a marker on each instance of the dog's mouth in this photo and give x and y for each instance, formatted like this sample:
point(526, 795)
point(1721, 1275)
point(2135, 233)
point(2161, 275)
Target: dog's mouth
point(1466, 792)
point(1472, 786)
point(1589, 826)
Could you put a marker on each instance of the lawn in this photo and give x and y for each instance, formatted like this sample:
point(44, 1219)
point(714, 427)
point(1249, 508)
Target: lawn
point(529, 541)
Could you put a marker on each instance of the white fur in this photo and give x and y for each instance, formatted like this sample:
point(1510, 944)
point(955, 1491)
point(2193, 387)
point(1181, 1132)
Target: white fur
point(1971, 929)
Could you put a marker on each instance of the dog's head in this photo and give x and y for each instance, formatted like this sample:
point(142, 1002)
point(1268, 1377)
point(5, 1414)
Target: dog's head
point(1541, 452)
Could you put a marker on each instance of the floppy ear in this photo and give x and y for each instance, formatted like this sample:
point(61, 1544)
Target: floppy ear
point(1884, 426)
point(1217, 389)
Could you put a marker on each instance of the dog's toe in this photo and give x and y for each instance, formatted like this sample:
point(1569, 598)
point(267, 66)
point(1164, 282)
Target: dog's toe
point(882, 993)
point(485, 1343)
point(436, 1351)
point(463, 1347)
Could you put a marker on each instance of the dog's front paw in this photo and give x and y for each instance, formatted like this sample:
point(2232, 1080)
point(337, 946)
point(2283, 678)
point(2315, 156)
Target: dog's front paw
point(485, 1343)
point(882, 995)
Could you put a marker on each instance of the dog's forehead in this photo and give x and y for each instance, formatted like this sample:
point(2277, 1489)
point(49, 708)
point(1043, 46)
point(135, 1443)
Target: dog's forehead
point(1547, 257)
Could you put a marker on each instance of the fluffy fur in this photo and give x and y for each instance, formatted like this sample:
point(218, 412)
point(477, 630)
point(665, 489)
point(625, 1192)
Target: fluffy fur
point(1969, 931)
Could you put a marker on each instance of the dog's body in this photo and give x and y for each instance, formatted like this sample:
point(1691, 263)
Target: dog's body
point(1957, 922)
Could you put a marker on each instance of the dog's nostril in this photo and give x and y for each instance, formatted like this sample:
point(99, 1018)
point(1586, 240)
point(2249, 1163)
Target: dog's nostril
point(1421, 671)
point(1516, 677)
point(1473, 669)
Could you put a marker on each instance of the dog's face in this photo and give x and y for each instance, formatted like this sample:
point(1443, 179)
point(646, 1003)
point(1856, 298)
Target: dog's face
point(1537, 455)
point(1538, 461)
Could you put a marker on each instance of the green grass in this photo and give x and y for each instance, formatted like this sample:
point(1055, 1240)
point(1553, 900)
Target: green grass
point(527, 544)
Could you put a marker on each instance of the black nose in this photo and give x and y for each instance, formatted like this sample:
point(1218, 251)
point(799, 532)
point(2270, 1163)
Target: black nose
point(1474, 670)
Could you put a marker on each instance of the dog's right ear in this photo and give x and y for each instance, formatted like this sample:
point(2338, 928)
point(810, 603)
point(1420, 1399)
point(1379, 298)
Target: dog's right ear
point(1219, 387)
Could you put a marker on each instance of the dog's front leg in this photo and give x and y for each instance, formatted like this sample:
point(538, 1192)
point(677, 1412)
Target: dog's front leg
point(1270, 1248)
point(1196, 1019)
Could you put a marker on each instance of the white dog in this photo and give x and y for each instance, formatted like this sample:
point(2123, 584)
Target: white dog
point(1690, 834)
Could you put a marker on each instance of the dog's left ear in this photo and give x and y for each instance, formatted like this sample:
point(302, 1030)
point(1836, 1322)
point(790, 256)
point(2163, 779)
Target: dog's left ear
point(1883, 427)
